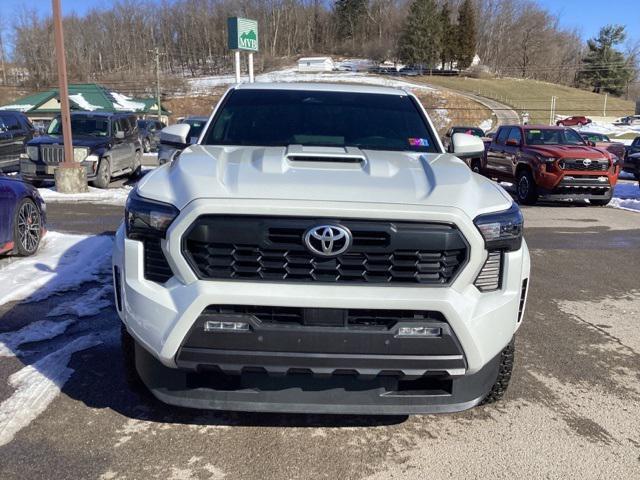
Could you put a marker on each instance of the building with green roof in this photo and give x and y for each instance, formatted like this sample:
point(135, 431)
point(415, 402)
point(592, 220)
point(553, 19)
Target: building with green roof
point(84, 97)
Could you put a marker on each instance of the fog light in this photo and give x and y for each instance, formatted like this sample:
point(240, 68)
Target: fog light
point(420, 332)
point(215, 326)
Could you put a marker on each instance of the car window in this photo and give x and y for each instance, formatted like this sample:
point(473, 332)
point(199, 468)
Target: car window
point(515, 135)
point(11, 122)
point(553, 136)
point(321, 118)
point(476, 132)
point(502, 136)
point(636, 142)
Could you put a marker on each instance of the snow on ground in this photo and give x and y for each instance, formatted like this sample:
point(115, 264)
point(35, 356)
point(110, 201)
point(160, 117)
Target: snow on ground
point(88, 304)
point(113, 196)
point(18, 108)
point(37, 385)
point(626, 196)
point(63, 262)
point(204, 84)
point(610, 129)
point(33, 332)
point(486, 125)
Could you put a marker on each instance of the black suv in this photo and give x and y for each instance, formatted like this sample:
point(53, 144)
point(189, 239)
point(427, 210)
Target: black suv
point(106, 144)
point(15, 131)
point(150, 133)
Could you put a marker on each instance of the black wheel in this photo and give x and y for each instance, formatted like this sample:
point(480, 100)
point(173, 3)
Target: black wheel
point(526, 188)
point(27, 230)
point(137, 165)
point(103, 175)
point(146, 145)
point(504, 375)
point(476, 166)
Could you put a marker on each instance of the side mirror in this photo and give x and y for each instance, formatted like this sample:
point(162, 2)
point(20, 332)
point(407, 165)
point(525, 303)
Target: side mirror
point(467, 146)
point(176, 136)
point(512, 143)
point(120, 135)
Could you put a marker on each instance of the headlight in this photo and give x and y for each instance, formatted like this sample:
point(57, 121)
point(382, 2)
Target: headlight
point(615, 160)
point(144, 217)
point(546, 159)
point(33, 153)
point(80, 153)
point(502, 230)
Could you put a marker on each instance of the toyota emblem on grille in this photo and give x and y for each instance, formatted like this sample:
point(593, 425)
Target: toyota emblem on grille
point(328, 240)
point(586, 162)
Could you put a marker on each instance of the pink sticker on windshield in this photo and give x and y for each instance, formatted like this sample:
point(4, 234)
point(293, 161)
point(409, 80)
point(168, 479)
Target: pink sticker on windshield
point(419, 142)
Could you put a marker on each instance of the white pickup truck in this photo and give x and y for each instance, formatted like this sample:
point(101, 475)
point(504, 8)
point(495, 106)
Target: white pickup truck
point(317, 251)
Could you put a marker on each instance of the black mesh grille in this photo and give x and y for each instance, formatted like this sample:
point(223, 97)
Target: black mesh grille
point(588, 165)
point(156, 267)
point(272, 249)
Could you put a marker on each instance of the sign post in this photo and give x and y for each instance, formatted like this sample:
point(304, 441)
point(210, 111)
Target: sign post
point(243, 35)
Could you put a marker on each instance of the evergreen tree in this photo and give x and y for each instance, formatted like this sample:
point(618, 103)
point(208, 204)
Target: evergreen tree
point(420, 39)
point(605, 69)
point(350, 18)
point(447, 37)
point(466, 44)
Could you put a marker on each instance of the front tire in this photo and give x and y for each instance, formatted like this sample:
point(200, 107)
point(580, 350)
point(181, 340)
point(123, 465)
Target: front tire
point(137, 165)
point(128, 346)
point(526, 188)
point(504, 375)
point(146, 145)
point(476, 166)
point(27, 228)
point(600, 203)
point(103, 175)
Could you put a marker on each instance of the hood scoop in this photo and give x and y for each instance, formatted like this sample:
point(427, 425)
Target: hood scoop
point(297, 154)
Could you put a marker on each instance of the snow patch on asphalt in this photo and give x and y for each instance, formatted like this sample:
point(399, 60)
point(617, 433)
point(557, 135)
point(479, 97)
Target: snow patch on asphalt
point(112, 196)
point(86, 305)
point(63, 262)
point(36, 386)
point(34, 332)
point(626, 196)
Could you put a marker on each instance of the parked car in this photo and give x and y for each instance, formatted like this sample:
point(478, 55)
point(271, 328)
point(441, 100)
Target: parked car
point(575, 121)
point(630, 120)
point(23, 217)
point(554, 162)
point(632, 165)
point(107, 145)
point(15, 131)
point(150, 133)
point(318, 251)
point(474, 164)
point(603, 141)
point(168, 152)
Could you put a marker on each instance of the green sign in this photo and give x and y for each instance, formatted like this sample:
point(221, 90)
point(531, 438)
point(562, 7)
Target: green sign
point(243, 34)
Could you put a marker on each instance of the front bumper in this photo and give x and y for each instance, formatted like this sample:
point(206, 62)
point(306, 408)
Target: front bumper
point(161, 317)
point(570, 185)
point(38, 171)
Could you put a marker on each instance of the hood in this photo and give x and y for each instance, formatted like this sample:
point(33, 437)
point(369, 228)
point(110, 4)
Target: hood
point(568, 151)
point(323, 174)
point(78, 141)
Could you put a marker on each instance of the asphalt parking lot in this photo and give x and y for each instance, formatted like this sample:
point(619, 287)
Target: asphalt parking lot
point(571, 411)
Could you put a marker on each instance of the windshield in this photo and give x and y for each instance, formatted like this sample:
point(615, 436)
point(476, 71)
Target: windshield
point(553, 136)
point(316, 118)
point(477, 132)
point(82, 126)
point(595, 137)
point(196, 126)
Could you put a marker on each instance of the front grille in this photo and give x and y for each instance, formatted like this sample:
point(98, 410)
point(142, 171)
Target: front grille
point(584, 165)
point(52, 153)
point(156, 267)
point(349, 318)
point(272, 249)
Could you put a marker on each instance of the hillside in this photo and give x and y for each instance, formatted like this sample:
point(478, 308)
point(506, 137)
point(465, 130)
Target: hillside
point(535, 97)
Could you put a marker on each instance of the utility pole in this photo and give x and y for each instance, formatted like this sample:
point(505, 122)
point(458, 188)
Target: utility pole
point(2, 63)
point(156, 52)
point(604, 110)
point(70, 177)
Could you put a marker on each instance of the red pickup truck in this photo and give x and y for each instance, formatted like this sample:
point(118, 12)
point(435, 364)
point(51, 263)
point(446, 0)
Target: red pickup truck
point(551, 162)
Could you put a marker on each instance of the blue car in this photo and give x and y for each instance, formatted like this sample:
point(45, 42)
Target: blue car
point(22, 217)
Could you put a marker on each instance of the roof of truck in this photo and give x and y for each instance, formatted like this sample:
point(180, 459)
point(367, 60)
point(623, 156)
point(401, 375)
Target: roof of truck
point(322, 87)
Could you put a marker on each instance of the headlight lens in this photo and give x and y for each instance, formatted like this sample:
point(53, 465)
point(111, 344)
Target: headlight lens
point(80, 153)
point(502, 230)
point(546, 159)
point(144, 217)
point(33, 153)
